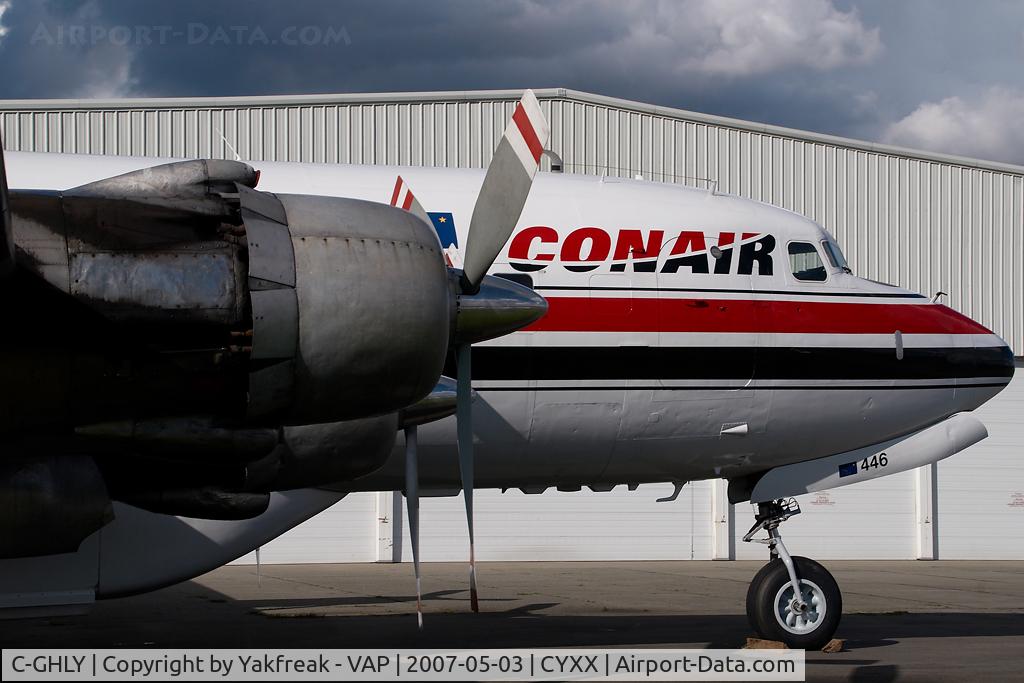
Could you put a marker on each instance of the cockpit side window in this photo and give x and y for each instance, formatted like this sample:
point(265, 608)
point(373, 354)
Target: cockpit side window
point(805, 262)
point(835, 255)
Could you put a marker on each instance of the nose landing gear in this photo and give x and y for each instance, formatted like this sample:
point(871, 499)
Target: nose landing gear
point(792, 599)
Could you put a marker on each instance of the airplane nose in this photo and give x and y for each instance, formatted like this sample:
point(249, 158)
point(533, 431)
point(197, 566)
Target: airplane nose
point(982, 372)
point(999, 361)
point(1010, 362)
point(984, 361)
point(993, 361)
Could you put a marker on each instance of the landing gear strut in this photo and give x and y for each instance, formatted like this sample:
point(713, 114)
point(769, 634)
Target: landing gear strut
point(792, 599)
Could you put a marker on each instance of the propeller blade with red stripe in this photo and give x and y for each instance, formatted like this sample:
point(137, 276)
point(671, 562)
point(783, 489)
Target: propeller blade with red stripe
point(505, 188)
point(498, 207)
point(403, 198)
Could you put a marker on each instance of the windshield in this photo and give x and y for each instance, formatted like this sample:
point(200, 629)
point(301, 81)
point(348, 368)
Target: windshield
point(835, 255)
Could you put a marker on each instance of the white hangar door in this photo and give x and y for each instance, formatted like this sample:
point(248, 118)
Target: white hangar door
point(345, 532)
point(980, 492)
point(874, 520)
point(615, 525)
point(584, 525)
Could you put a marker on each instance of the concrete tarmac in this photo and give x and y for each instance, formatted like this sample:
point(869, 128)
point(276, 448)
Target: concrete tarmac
point(903, 620)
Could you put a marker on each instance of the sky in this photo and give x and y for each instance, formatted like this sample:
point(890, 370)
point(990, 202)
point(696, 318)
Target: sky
point(943, 77)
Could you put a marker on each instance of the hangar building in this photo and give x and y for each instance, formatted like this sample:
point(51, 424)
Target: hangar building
point(928, 222)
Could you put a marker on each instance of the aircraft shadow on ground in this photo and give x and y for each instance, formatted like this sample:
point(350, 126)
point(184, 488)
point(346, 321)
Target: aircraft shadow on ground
point(270, 605)
point(192, 615)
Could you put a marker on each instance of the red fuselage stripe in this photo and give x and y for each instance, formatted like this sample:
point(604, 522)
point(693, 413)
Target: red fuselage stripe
point(578, 314)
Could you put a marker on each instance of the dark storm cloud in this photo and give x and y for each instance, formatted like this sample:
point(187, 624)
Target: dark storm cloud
point(236, 48)
point(619, 48)
point(864, 69)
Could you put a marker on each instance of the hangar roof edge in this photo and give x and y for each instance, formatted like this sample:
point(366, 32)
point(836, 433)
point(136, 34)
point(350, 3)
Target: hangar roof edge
point(490, 95)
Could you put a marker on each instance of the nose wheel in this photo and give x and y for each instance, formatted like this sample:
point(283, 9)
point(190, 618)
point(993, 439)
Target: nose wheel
point(791, 599)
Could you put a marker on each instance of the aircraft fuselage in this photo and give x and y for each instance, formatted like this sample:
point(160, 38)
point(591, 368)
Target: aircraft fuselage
point(690, 335)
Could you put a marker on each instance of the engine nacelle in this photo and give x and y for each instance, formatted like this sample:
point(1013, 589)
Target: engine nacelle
point(189, 345)
point(322, 455)
point(351, 307)
point(180, 290)
point(192, 467)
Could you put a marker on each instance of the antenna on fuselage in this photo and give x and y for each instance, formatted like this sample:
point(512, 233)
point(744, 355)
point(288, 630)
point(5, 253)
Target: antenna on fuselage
point(227, 144)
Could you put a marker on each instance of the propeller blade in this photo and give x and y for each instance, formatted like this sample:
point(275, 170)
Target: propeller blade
point(403, 198)
point(412, 503)
point(498, 207)
point(463, 411)
point(505, 189)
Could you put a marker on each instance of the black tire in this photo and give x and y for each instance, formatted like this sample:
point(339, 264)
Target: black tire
point(752, 589)
point(770, 585)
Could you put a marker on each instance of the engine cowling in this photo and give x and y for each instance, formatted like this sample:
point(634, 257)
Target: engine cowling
point(193, 344)
point(189, 293)
point(353, 317)
point(194, 468)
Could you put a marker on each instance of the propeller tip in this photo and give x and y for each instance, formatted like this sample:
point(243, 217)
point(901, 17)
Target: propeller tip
point(474, 599)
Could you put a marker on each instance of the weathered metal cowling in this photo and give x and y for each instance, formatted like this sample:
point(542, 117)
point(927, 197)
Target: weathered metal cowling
point(325, 454)
point(127, 297)
point(351, 307)
point(161, 244)
point(195, 344)
point(180, 290)
point(194, 467)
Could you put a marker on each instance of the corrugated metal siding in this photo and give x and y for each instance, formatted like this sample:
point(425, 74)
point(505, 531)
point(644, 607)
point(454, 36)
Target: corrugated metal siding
point(980, 492)
point(413, 133)
point(925, 224)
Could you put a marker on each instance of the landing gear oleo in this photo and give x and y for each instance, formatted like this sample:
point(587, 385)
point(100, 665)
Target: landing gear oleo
point(792, 599)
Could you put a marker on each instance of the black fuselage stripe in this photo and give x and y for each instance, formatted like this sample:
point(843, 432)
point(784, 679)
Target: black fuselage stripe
point(810, 387)
point(735, 363)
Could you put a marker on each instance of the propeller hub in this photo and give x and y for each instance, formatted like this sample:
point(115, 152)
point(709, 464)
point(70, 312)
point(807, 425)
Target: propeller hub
point(498, 307)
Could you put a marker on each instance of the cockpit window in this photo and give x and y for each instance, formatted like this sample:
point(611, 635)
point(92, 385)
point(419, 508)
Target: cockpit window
point(835, 255)
point(805, 262)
